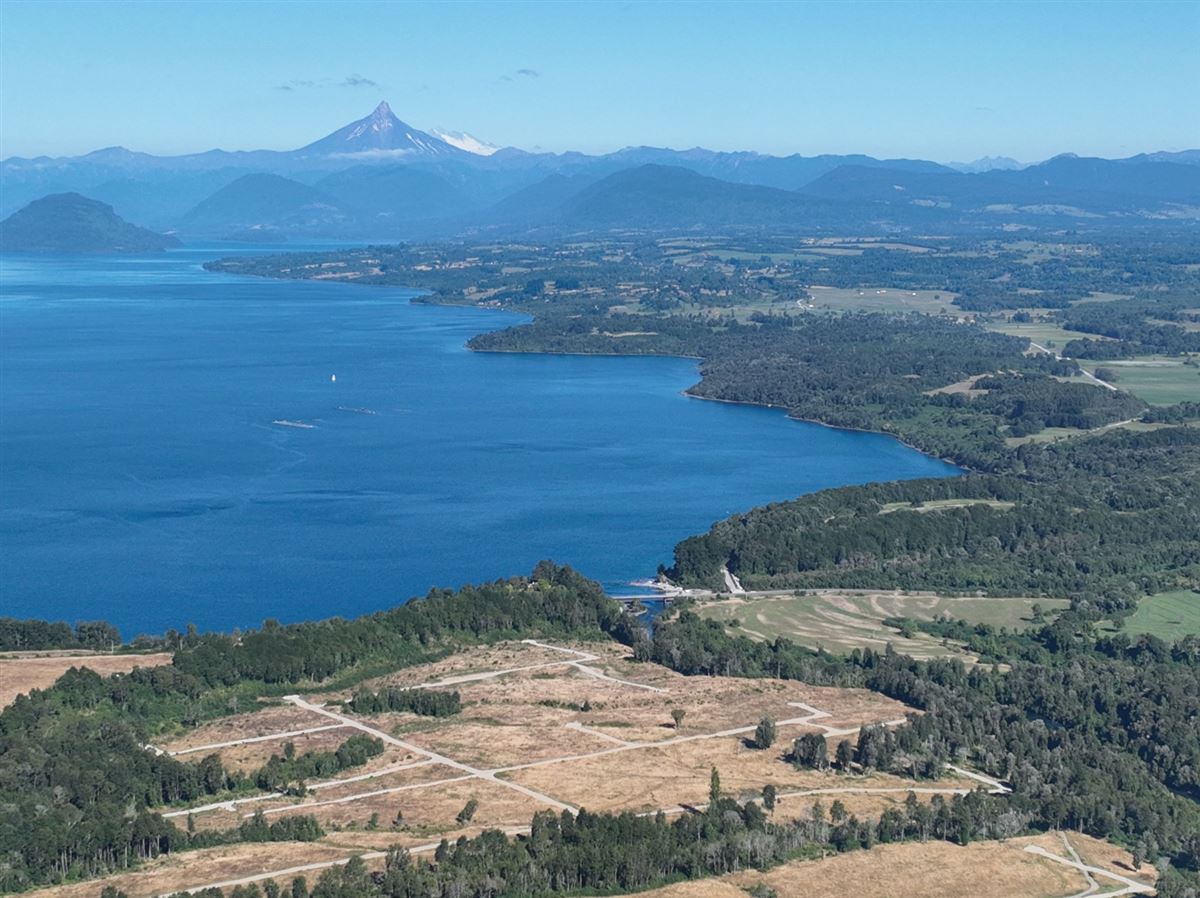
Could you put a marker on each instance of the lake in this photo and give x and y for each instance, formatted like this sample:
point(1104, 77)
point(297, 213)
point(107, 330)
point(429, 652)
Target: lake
point(145, 477)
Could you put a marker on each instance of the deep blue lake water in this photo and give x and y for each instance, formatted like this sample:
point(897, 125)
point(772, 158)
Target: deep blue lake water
point(142, 479)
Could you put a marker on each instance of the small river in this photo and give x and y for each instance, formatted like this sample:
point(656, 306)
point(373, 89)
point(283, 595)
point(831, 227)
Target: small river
point(184, 447)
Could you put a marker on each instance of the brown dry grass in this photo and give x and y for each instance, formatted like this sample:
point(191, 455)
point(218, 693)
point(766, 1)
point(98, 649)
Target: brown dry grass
point(430, 813)
point(929, 870)
point(20, 673)
point(191, 868)
point(485, 659)
point(264, 722)
point(1098, 853)
point(661, 777)
point(224, 818)
point(530, 715)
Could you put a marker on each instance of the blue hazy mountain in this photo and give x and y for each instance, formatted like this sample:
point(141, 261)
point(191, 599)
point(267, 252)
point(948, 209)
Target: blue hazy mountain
point(264, 205)
point(379, 176)
point(70, 223)
point(1063, 185)
point(986, 163)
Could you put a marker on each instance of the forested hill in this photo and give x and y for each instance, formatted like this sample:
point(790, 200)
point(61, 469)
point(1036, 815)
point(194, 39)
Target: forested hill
point(1104, 519)
point(70, 223)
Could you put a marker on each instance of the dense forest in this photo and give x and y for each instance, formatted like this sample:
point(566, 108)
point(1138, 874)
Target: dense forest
point(1097, 734)
point(78, 785)
point(1103, 519)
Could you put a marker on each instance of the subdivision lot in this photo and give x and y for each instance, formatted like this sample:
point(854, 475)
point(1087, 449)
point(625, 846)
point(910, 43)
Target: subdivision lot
point(677, 775)
point(21, 672)
point(171, 873)
point(930, 869)
point(543, 726)
point(842, 621)
point(245, 742)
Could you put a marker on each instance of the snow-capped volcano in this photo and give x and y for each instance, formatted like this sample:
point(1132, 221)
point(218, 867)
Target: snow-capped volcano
point(464, 141)
point(380, 134)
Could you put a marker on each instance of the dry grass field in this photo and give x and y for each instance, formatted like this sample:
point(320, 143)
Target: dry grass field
point(523, 743)
point(841, 621)
point(21, 672)
point(929, 870)
point(522, 721)
point(172, 873)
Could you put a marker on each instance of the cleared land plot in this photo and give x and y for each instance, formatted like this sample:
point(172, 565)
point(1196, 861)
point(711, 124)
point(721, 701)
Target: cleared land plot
point(842, 621)
point(269, 728)
point(1047, 333)
point(463, 667)
point(943, 504)
point(1159, 381)
point(432, 811)
point(930, 870)
point(658, 777)
point(428, 808)
point(327, 799)
point(1168, 615)
point(534, 747)
point(885, 299)
point(22, 672)
point(534, 715)
point(169, 874)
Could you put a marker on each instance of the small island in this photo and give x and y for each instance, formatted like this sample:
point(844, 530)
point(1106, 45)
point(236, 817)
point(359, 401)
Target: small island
point(72, 223)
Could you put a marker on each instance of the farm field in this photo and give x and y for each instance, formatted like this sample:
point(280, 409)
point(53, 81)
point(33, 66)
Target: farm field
point(1046, 333)
point(843, 621)
point(22, 671)
point(1158, 380)
point(542, 727)
point(885, 299)
point(1168, 615)
point(934, 870)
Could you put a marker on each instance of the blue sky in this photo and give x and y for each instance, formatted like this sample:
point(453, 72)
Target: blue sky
point(945, 81)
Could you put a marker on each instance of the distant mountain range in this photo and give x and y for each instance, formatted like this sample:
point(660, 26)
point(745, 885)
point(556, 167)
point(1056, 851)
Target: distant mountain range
point(381, 178)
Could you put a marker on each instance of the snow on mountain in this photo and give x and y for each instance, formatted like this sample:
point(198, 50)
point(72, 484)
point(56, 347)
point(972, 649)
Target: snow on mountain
point(464, 141)
point(380, 134)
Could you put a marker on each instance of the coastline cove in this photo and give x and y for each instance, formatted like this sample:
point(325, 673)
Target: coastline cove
point(186, 447)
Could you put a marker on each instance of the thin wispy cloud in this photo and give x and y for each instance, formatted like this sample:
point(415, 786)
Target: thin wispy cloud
point(351, 81)
point(509, 77)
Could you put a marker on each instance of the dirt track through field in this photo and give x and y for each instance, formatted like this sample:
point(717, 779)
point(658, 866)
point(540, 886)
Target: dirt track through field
point(1129, 886)
point(811, 718)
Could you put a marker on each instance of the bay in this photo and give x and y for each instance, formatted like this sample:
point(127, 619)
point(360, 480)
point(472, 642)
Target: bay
point(146, 477)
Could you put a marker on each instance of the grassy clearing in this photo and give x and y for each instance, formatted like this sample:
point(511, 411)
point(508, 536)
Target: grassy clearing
point(942, 504)
point(931, 869)
point(20, 673)
point(1168, 615)
point(1159, 380)
point(843, 621)
point(885, 299)
point(1051, 434)
point(1046, 333)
